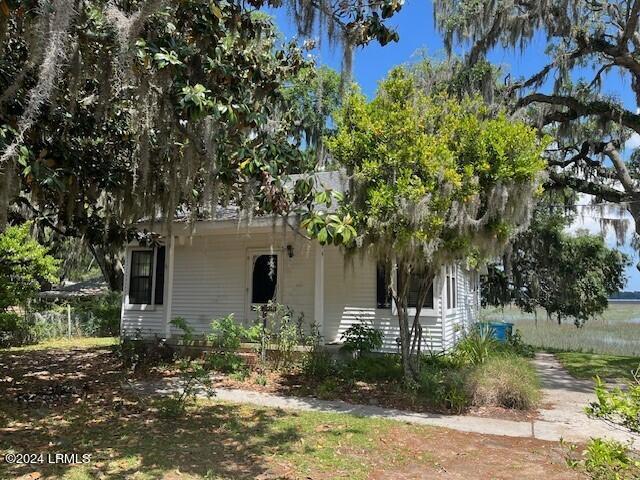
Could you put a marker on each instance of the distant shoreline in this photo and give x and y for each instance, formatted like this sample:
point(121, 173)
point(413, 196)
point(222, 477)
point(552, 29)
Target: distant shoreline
point(624, 300)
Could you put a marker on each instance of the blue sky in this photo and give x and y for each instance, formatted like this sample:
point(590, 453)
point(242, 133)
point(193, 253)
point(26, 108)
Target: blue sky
point(415, 26)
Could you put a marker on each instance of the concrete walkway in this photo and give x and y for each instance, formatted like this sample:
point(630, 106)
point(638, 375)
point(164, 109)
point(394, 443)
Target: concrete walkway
point(561, 416)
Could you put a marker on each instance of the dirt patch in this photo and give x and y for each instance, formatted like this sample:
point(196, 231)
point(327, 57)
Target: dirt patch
point(456, 455)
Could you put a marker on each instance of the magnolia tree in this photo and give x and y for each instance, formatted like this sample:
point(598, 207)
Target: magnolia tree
point(435, 179)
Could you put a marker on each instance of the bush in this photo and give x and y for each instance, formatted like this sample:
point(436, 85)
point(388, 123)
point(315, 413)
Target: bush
point(373, 368)
point(226, 362)
point(227, 334)
point(14, 330)
point(139, 354)
point(606, 460)
point(443, 384)
point(317, 363)
point(475, 347)
point(24, 266)
point(618, 406)
point(99, 316)
point(505, 381)
point(361, 338)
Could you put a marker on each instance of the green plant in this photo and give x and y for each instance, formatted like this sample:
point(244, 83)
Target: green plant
point(187, 336)
point(326, 390)
point(605, 460)
point(361, 338)
point(475, 347)
point(317, 363)
point(14, 331)
point(372, 368)
point(507, 381)
point(140, 354)
point(282, 331)
point(261, 379)
point(194, 379)
point(227, 334)
point(225, 362)
point(618, 406)
point(25, 266)
point(443, 384)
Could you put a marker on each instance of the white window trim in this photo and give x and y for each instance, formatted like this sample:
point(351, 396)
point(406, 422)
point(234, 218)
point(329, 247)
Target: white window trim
point(149, 307)
point(451, 271)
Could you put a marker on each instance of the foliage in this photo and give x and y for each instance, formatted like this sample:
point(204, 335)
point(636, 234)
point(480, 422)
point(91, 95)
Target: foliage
point(283, 331)
point(194, 379)
point(227, 334)
point(618, 406)
point(140, 354)
point(442, 384)
point(590, 124)
point(372, 368)
point(14, 331)
point(435, 178)
point(505, 381)
point(25, 266)
point(475, 347)
point(317, 363)
point(361, 338)
point(568, 276)
point(605, 460)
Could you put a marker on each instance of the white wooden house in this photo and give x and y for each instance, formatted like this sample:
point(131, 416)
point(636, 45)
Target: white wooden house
point(229, 265)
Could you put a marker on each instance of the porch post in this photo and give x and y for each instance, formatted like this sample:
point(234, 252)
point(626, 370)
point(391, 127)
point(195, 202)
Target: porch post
point(318, 297)
point(169, 281)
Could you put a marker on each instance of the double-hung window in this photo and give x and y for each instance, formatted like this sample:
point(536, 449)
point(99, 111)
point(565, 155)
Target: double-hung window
point(451, 287)
point(146, 276)
point(383, 297)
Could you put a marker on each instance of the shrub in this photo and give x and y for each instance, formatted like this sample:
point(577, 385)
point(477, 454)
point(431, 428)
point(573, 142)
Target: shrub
point(139, 354)
point(361, 338)
point(505, 381)
point(618, 406)
point(227, 334)
point(24, 266)
point(443, 384)
point(317, 363)
point(98, 316)
point(326, 390)
point(225, 362)
point(282, 331)
point(475, 347)
point(373, 368)
point(606, 460)
point(14, 330)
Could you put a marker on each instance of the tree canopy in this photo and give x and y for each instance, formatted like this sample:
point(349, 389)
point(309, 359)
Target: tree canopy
point(569, 276)
point(587, 42)
point(435, 179)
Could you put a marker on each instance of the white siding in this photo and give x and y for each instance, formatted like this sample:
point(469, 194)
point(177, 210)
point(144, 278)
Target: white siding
point(460, 319)
point(350, 297)
point(211, 280)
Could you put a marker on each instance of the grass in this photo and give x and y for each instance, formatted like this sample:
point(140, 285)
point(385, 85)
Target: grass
point(506, 381)
point(588, 365)
point(75, 401)
point(216, 440)
point(67, 343)
point(616, 333)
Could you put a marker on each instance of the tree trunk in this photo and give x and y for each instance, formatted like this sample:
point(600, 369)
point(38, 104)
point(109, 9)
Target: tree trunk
point(399, 295)
point(110, 266)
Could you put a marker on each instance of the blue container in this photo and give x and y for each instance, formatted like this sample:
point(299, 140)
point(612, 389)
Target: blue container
point(501, 331)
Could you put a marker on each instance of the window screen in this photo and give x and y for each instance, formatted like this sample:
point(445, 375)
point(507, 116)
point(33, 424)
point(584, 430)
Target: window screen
point(412, 295)
point(265, 278)
point(141, 273)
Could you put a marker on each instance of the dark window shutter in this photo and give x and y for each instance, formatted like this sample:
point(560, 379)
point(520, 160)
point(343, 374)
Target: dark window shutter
point(383, 297)
point(159, 290)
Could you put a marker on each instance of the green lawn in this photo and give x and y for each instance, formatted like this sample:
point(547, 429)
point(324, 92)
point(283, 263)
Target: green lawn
point(66, 343)
point(588, 365)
